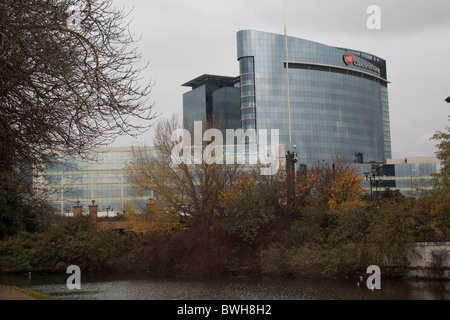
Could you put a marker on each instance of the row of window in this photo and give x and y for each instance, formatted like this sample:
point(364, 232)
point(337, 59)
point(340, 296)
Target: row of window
point(248, 98)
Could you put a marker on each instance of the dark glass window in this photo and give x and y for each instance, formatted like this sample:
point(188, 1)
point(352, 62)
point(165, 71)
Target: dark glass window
point(248, 99)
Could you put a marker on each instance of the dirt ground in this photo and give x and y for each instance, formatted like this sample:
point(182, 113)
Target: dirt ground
point(10, 294)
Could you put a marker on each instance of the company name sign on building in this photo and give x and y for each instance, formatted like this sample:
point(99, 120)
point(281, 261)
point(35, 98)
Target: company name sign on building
point(260, 153)
point(349, 59)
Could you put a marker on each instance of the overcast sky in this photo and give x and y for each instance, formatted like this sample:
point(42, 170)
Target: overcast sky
point(183, 39)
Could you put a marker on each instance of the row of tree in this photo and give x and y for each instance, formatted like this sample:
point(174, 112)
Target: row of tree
point(204, 192)
point(323, 223)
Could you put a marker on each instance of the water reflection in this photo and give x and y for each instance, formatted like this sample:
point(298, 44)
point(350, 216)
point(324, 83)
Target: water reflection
point(227, 288)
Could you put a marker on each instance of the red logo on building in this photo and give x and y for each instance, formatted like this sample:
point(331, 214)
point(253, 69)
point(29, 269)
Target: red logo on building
point(348, 59)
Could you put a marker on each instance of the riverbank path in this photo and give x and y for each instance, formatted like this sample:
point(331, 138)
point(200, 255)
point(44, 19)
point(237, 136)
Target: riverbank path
point(11, 294)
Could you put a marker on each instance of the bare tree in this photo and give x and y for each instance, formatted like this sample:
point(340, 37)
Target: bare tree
point(69, 80)
point(193, 189)
point(69, 77)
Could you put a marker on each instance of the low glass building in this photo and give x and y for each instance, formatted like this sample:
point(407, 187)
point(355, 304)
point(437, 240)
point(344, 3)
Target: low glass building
point(410, 176)
point(101, 178)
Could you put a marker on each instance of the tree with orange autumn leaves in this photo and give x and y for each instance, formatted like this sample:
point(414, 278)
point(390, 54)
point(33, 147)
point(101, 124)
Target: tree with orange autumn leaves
point(334, 186)
point(241, 198)
point(181, 191)
point(323, 226)
point(153, 220)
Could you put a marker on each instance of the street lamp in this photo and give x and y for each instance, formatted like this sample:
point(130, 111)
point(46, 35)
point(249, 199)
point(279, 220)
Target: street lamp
point(448, 100)
point(371, 176)
point(291, 160)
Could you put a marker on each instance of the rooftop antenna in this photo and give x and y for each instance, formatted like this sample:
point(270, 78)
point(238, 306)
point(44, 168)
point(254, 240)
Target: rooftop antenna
point(287, 78)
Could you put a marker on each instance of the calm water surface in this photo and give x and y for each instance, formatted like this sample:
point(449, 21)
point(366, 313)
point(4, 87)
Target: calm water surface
point(226, 288)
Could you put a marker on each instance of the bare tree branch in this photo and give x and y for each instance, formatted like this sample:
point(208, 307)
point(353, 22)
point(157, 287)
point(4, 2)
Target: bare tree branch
point(68, 88)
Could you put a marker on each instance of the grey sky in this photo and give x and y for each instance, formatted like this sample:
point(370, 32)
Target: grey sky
point(183, 39)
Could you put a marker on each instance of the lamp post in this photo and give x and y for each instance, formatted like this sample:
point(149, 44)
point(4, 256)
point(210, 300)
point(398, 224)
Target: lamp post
point(371, 177)
point(291, 160)
point(448, 100)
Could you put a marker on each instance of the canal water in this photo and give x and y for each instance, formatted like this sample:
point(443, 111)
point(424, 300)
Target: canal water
point(95, 287)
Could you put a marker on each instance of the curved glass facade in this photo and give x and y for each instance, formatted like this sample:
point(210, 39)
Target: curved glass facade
point(338, 97)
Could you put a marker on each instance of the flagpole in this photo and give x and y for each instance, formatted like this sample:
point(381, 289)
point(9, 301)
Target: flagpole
point(287, 78)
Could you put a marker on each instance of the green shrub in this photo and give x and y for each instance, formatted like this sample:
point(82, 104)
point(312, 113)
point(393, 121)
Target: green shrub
point(72, 241)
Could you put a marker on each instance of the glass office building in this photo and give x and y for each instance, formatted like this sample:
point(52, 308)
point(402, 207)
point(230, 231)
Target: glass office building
point(336, 106)
point(100, 178)
point(407, 175)
point(212, 97)
point(338, 97)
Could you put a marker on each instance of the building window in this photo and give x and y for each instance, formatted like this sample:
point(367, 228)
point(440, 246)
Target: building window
point(248, 98)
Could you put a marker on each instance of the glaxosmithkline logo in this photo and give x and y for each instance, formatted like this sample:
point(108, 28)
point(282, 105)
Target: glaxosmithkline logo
point(349, 59)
